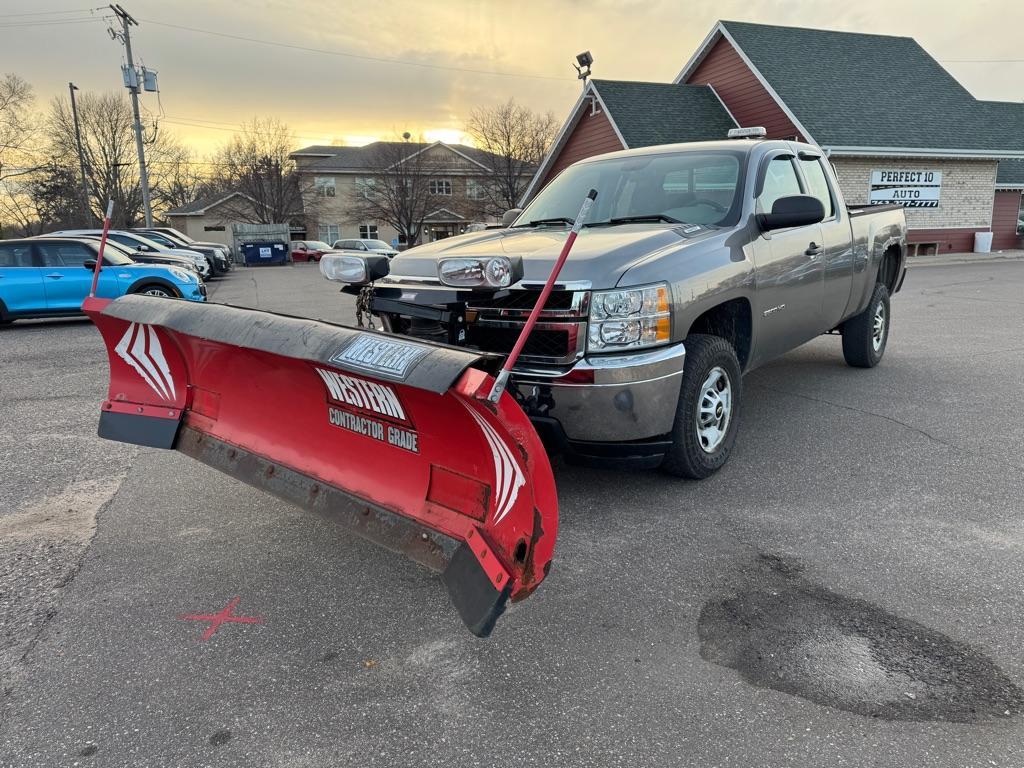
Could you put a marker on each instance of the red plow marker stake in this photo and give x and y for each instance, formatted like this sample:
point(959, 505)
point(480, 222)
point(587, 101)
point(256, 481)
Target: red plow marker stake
point(103, 245)
point(501, 380)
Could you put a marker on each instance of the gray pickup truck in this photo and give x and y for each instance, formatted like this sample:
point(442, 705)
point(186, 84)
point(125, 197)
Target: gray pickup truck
point(697, 263)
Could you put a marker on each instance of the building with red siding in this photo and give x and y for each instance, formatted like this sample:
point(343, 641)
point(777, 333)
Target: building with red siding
point(894, 123)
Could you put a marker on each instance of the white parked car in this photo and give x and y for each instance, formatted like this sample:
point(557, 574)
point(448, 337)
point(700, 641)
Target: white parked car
point(365, 246)
point(140, 246)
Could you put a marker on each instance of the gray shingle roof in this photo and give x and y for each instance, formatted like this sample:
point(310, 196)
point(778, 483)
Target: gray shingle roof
point(364, 157)
point(852, 89)
point(200, 204)
point(648, 114)
point(1011, 174)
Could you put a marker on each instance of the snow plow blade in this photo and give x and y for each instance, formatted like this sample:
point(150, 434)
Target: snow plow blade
point(391, 437)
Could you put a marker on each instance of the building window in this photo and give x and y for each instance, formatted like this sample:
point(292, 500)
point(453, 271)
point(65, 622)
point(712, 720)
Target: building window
point(368, 232)
point(440, 187)
point(324, 186)
point(214, 229)
point(328, 232)
point(475, 190)
point(367, 187)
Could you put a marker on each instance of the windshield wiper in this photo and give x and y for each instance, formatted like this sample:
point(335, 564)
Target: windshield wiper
point(639, 219)
point(555, 220)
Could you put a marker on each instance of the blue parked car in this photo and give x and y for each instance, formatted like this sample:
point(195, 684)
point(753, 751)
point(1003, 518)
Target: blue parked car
point(51, 276)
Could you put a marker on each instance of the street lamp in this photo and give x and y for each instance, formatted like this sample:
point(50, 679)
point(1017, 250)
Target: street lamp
point(86, 214)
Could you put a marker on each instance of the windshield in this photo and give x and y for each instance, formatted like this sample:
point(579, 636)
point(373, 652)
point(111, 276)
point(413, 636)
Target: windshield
point(379, 244)
point(115, 255)
point(318, 245)
point(691, 187)
point(161, 240)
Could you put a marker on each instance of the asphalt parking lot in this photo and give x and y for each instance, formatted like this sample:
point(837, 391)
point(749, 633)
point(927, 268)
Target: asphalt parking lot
point(848, 591)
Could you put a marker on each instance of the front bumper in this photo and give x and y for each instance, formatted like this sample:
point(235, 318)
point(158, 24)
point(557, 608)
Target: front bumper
point(606, 399)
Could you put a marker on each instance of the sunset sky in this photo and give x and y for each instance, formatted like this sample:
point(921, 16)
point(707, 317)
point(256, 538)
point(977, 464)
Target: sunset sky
point(211, 83)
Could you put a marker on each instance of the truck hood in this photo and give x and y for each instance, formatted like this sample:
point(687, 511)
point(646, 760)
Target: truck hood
point(600, 256)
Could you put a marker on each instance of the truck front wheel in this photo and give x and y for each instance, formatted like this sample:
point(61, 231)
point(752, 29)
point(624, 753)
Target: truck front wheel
point(865, 335)
point(708, 411)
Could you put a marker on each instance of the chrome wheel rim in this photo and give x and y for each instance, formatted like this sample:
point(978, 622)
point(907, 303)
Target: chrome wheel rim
point(714, 409)
point(878, 327)
point(156, 292)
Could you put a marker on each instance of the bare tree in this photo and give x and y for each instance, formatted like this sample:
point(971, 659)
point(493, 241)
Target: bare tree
point(18, 144)
point(515, 139)
point(397, 189)
point(179, 180)
point(111, 162)
point(257, 163)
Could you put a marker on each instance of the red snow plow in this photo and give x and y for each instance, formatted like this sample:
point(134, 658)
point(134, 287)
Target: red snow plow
point(393, 438)
point(412, 445)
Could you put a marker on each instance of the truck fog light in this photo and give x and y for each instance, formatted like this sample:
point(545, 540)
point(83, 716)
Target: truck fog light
point(495, 272)
point(343, 269)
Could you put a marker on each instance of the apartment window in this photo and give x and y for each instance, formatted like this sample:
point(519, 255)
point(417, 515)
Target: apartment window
point(368, 232)
point(440, 187)
point(328, 232)
point(367, 187)
point(324, 186)
point(475, 190)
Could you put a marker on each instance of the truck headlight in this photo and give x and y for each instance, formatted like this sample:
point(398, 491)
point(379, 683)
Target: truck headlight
point(355, 270)
point(495, 272)
point(629, 318)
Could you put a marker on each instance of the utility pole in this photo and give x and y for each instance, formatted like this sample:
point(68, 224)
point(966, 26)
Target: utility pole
point(86, 213)
point(132, 82)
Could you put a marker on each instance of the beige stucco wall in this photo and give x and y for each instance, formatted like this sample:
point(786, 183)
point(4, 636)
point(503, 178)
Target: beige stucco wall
point(196, 227)
point(965, 200)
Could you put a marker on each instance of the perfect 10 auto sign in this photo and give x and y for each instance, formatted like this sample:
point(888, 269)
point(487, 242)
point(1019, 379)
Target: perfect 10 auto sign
point(913, 189)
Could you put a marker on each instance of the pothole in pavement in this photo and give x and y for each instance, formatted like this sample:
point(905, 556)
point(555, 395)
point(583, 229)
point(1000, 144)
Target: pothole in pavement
point(793, 636)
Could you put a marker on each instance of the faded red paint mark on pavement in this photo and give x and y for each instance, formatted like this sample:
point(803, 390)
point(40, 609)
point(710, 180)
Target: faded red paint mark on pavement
point(224, 617)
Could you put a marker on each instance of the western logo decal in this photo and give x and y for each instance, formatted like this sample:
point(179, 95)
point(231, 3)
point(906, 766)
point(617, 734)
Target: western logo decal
point(380, 357)
point(140, 348)
point(368, 408)
point(508, 477)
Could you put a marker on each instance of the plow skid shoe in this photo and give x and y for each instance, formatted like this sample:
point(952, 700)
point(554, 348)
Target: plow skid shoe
point(390, 437)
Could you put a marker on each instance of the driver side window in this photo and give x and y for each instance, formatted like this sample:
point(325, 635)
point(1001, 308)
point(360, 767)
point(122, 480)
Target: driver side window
point(780, 180)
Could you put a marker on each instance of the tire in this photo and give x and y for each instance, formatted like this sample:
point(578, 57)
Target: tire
point(155, 289)
point(865, 335)
point(703, 439)
point(4, 319)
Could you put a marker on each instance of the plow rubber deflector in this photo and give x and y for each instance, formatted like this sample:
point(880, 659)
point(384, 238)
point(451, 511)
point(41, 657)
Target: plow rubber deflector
point(391, 437)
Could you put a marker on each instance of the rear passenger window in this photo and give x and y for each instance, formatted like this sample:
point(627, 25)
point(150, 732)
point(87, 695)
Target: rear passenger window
point(15, 255)
point(780, 180)
point(817, 183)
point(65, 254)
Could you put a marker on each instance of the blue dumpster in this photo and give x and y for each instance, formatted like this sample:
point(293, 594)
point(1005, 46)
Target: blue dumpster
point(260, 254)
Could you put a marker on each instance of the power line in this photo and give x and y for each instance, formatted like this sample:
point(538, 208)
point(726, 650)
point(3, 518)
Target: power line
point(89, 20)
point(50, 13)
point(344, 54)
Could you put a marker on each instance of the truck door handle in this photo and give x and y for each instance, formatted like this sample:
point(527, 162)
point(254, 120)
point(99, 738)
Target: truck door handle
point(813, 249)
point(55, 275)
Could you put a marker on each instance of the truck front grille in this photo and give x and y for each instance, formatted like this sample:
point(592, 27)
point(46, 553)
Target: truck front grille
point(559, 337)
point(553, 344)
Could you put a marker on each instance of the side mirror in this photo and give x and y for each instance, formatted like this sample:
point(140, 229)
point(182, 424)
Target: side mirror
point(509, 216)
point(89, 264)
point(792, 211)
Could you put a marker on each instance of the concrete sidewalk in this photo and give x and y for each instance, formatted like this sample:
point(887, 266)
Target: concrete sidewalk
point(941, 259)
